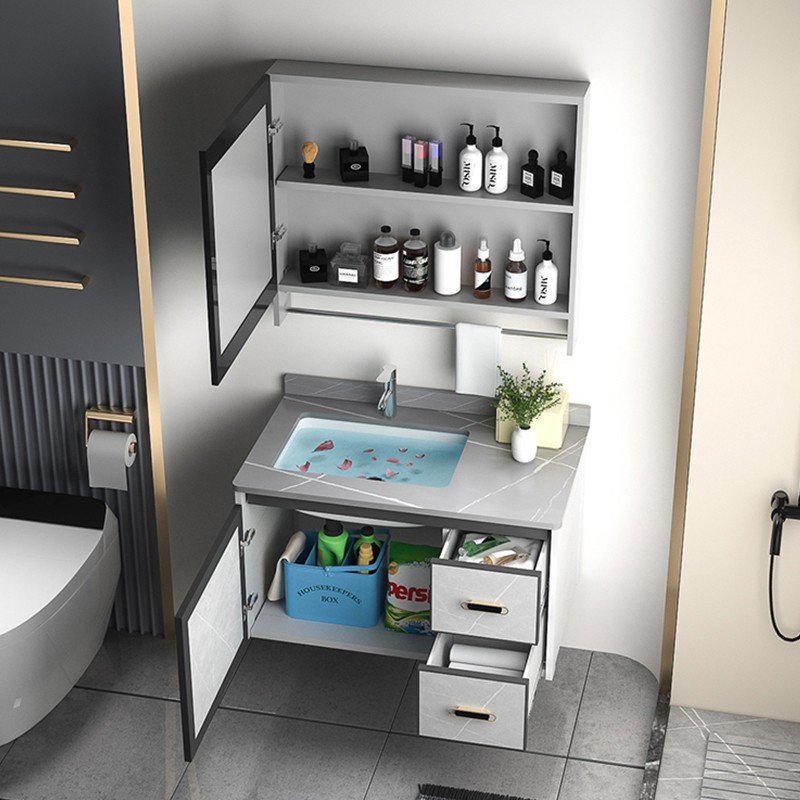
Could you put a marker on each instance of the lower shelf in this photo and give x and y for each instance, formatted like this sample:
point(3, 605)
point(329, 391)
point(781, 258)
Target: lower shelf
point(273, 623)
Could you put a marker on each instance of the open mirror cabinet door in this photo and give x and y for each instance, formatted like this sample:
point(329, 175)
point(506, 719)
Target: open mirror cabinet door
point(238, 220)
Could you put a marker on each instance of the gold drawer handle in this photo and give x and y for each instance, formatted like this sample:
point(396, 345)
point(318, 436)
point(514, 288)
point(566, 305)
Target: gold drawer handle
point(61, 147)
point(42, 237)
point(480, 605)
point(481, 714)
point(60, 194)
point(79, 284)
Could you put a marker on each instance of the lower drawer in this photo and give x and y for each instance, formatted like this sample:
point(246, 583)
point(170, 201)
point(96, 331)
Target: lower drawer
point(476, 707)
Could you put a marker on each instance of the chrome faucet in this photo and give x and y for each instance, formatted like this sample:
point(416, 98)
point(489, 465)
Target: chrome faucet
point(388, 401)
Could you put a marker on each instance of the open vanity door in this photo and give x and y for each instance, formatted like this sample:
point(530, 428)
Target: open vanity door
point(236, 177)
point(211, 632)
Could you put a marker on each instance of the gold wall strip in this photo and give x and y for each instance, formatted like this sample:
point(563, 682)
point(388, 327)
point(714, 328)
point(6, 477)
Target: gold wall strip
point(61, 147)
point(43, 237)
point(136, 158)
point(708, 136)
point(62, 194)
point(78, 284)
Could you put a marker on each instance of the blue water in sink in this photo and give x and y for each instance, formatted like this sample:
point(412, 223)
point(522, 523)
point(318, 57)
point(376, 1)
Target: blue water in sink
point(370, 452)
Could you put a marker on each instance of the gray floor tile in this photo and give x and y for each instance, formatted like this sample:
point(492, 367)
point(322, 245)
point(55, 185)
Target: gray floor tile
point(733, 724)
point(319, 684)
point(96, 746)
point(679, 789)
point(258, 757)
point(555, 707)
point(684, 754)
point(134, 664)
point(410, 760)
point(407, 718)
point(584, 779)
point(616, 712)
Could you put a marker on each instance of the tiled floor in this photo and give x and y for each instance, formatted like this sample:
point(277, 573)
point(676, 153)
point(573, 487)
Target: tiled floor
point(684, 754)
point(299, 722)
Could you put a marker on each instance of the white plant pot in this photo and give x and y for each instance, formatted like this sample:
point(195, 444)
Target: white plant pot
point(523, 444)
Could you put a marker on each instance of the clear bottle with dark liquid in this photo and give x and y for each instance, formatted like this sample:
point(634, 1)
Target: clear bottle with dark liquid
point(415, 262)
point(386, 259)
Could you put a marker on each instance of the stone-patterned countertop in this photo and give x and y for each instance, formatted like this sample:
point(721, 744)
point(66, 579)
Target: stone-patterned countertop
point(489, 489)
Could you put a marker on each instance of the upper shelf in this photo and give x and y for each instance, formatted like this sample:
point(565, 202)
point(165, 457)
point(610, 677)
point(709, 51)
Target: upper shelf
point(328, 180)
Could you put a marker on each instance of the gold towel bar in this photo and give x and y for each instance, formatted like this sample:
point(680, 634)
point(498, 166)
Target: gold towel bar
point(104, 414)
point(62, 194)
point(78, 284)
point(61, 147)
point(43, 237)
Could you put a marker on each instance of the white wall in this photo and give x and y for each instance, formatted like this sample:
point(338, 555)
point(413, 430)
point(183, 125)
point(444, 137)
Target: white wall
point(746, 438)
point(646, 67)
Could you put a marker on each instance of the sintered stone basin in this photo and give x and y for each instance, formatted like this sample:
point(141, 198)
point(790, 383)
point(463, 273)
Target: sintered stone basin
point(368, 451)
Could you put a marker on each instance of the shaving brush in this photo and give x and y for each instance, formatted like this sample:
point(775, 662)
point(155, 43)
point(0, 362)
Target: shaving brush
point(310, 151)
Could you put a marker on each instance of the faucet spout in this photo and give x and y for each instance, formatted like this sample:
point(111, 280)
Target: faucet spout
point(388, 401)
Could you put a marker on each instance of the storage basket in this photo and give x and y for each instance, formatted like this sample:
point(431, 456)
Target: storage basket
point(345, 595)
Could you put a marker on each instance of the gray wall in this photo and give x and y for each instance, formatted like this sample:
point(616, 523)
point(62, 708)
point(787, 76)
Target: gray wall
point(646, 65)
point(42, 446)
point(60, 77)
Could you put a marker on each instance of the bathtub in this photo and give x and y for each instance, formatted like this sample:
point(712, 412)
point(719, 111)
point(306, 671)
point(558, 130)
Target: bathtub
point(59, 567)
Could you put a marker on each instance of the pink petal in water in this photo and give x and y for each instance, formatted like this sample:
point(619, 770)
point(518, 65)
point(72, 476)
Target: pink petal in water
point(326, 445)
point(390, 474)
point(368, 450)
point(403, 449)
point(393, 460)
point(408, 465)
point(419, 455)
point(346, 464)
point(304, 467)
point(374, 458)
point(361, 476)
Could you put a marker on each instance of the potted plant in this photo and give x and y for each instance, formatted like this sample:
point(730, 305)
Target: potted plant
point(522, 400)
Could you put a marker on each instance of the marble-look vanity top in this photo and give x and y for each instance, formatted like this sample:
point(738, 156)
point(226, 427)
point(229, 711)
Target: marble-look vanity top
point(488, 486)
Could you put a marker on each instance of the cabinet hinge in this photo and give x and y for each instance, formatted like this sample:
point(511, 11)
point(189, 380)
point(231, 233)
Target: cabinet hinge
point(274, 127)
point(247, 537)
point(278, 234)
point(250, 603)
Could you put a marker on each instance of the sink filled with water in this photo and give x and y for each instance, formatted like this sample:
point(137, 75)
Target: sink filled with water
point(372, 452)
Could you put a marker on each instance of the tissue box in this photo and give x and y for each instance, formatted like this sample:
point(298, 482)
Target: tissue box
point(550, 427)
point(345, 595)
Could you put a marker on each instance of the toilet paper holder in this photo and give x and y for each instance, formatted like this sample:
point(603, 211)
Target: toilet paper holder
point(103, 414)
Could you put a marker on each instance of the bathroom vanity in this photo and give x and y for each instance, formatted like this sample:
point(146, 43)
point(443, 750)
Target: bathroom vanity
point(489, 492)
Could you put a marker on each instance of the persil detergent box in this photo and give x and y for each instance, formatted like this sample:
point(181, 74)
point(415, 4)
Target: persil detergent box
point(408, 597)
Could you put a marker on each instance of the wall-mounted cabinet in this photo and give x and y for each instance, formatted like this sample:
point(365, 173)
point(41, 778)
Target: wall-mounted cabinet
point(331, 104)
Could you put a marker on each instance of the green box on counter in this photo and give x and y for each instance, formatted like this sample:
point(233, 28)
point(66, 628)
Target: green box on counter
point(345, 595)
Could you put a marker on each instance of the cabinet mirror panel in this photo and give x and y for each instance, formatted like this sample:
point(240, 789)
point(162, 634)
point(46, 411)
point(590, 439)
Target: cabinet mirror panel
point(237, 180)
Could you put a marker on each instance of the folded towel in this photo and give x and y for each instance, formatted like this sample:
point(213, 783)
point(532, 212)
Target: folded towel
point(477, 356)
point(488, 656)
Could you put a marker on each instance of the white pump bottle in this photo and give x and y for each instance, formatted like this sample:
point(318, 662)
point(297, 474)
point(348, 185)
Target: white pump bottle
point(545, 278)
point(496, 172)
point(470, 164)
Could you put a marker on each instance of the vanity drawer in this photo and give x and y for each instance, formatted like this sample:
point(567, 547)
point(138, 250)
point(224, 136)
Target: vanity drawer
point(487, 601)
point(476, 707)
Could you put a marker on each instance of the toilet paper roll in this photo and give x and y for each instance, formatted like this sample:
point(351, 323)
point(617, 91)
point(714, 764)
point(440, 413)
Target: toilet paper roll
point(488, 656)
point(110, 454)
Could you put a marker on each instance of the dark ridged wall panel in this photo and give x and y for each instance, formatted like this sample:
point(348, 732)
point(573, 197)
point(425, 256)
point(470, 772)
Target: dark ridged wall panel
point(42, 446)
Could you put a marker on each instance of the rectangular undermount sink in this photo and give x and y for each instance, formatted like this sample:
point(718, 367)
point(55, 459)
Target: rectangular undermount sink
point(371, 451)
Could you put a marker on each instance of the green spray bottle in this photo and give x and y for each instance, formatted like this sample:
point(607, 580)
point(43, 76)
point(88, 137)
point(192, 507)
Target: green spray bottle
point(331, 544)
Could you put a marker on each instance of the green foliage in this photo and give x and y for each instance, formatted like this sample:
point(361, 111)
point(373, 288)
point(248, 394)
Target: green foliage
point(523, 399)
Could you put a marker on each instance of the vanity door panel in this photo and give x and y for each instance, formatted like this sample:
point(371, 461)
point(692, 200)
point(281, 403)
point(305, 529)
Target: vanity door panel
point(211, 632)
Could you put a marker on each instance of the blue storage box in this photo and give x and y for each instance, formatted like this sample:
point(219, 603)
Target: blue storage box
point(345, 595)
